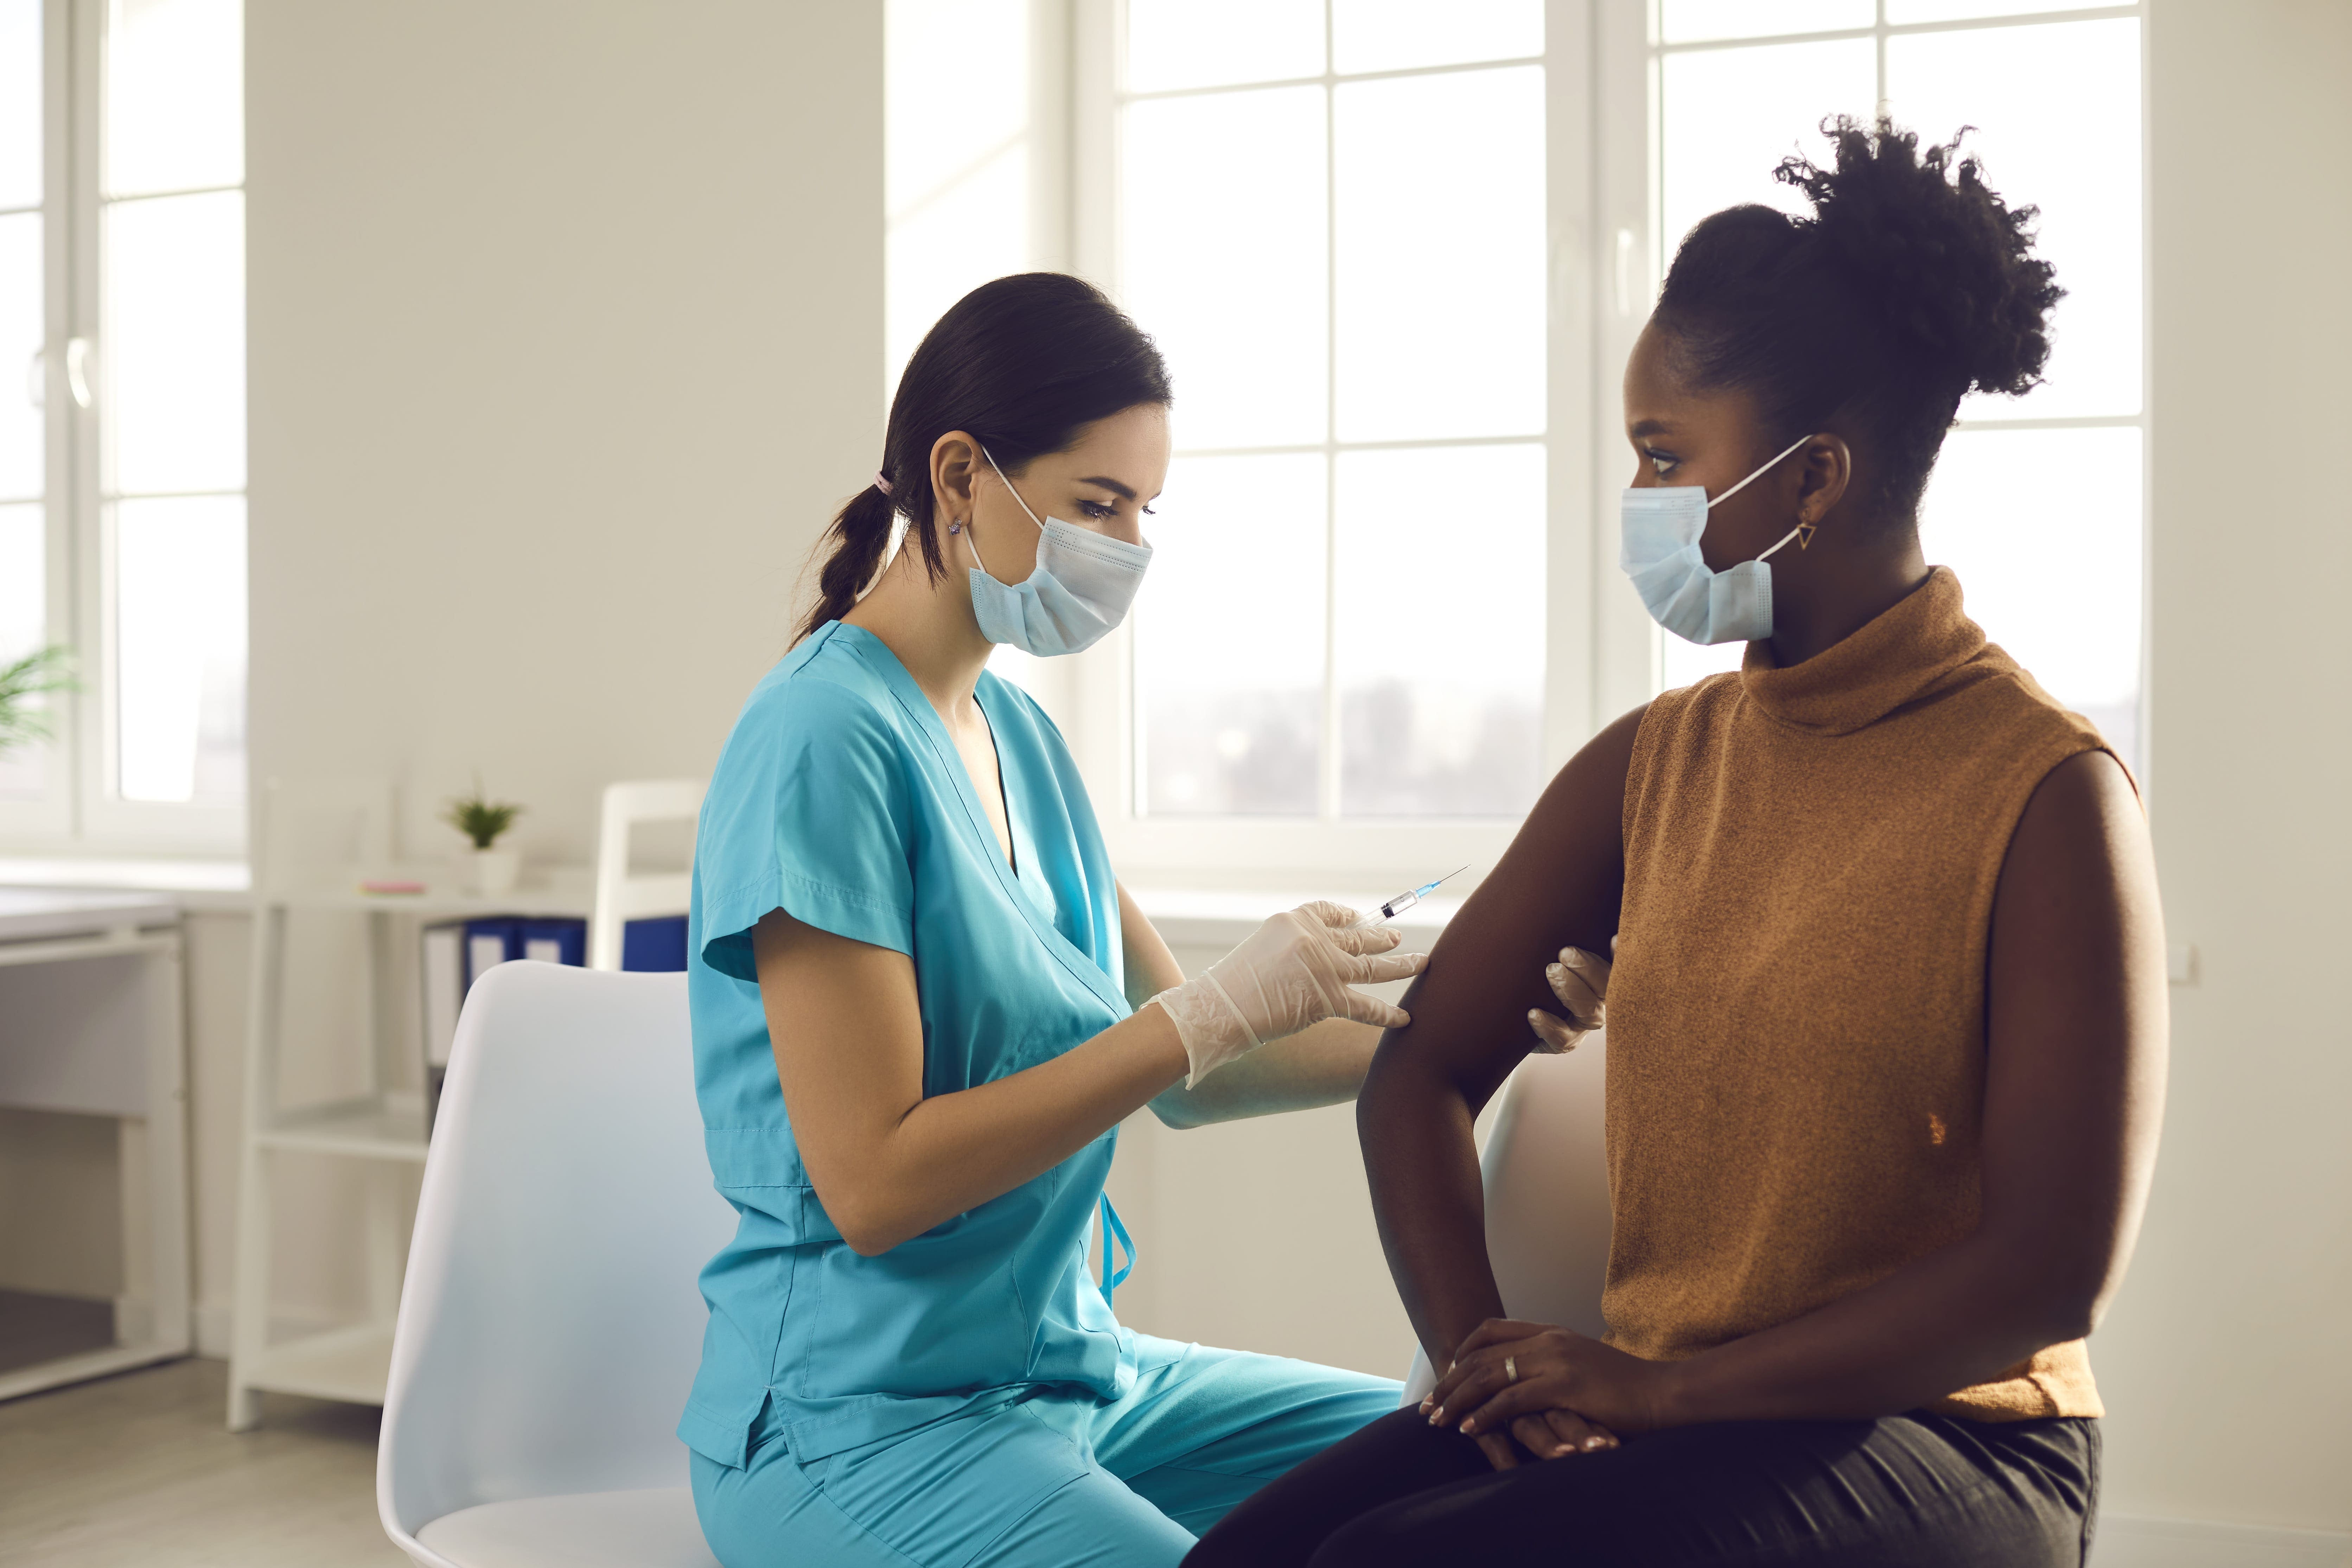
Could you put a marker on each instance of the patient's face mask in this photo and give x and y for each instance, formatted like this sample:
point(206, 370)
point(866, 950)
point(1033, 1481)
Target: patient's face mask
point(1660, 529)
point(1081, 587)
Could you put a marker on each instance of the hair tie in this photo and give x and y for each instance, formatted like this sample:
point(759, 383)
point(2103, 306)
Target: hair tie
point(880, 483)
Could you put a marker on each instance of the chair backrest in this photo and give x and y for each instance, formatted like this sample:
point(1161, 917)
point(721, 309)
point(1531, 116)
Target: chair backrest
point(620, 897)
point(1547, 1179)
point(550, 1323)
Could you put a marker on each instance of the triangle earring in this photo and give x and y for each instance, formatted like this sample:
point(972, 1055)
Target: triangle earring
point(1805, 532)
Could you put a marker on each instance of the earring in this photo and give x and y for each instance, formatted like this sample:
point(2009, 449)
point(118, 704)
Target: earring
point(1805, 532)
point(955, 528)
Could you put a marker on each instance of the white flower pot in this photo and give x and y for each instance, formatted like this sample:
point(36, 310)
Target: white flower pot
point(492, 870)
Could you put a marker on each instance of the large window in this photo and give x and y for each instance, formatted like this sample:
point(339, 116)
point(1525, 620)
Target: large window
point(123, 429)
point(1331, 214)
point(2036, 502)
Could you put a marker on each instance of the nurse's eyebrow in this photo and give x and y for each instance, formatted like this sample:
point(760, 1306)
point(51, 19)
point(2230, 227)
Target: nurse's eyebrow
point(1651, 427)
point(1111, 485)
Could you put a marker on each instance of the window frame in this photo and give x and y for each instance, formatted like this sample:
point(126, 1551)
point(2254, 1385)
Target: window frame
point(81, 810)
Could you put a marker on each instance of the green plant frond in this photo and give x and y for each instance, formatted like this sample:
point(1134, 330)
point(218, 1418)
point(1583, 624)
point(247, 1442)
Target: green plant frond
point(44, 671)
point(481, 819)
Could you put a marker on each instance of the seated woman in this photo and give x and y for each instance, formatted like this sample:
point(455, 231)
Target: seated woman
point(922, 1006)
point(1886, 1026)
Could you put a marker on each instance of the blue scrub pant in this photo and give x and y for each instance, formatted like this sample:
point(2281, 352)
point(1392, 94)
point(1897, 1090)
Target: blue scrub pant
point(1058, 1478)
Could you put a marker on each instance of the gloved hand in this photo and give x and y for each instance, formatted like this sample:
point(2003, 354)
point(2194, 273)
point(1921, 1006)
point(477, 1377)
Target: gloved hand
point(1581, 980)
point(1294, 970)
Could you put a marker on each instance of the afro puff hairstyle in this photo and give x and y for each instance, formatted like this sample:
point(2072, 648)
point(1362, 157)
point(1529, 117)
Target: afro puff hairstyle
point(1911, 283)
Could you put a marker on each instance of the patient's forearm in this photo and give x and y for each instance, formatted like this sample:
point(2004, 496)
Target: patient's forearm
point(1422, 1162)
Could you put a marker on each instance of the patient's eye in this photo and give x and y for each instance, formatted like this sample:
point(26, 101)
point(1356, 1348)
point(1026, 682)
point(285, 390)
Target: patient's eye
point(1097, 511)
point(1661, 462)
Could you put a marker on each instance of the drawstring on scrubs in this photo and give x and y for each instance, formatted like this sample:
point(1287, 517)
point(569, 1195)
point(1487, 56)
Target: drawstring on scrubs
point(1115, 1232)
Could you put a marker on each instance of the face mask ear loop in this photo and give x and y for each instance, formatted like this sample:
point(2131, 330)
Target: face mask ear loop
point(1750, 481)
point(1784, 539)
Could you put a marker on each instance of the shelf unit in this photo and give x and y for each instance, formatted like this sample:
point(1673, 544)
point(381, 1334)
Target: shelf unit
point(383, 1127)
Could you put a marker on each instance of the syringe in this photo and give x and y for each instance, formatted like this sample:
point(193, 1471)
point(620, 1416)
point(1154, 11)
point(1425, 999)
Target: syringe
point(1405, 900)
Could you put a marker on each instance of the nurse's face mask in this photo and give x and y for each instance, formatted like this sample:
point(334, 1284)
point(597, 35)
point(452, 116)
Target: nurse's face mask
point(1081, 587)
point(1660, 529)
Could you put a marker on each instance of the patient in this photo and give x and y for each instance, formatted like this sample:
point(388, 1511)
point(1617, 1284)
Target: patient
point(1888, 1021)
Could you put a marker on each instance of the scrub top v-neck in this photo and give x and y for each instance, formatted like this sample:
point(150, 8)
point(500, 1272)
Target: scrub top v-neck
point(841, 798)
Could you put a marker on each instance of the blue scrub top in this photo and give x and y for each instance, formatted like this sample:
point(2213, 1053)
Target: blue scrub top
point(840, 797)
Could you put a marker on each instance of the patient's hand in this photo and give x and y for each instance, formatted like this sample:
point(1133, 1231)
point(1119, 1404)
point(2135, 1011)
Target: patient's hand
point(1570, 1394)
point(1581, 980)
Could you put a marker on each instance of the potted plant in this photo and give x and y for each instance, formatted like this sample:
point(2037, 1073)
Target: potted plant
point(489, 869)
point(21, 719)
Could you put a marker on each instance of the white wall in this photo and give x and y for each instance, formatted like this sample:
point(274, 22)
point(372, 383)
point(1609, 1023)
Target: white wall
point(2226, 1364)
point(566, 323)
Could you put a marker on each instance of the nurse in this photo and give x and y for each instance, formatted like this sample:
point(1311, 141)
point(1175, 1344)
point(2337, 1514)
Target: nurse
point(922, 1005)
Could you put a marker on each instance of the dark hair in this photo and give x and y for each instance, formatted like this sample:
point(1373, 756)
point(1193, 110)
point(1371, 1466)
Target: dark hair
point(1903, 290)
point(1022, 363)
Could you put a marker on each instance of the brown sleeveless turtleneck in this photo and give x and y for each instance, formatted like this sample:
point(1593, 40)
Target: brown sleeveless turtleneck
point(1797, 1017)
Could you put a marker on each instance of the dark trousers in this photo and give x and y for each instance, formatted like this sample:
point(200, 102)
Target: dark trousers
point(1919, 1490)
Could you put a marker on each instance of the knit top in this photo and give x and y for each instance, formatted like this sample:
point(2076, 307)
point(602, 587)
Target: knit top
point(1797, 1015)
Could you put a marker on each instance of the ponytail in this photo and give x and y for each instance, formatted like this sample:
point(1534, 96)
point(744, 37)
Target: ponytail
point(1023, 363)
point(860, 535)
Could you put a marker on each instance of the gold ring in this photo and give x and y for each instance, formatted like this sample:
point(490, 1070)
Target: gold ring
point(1511, 1368)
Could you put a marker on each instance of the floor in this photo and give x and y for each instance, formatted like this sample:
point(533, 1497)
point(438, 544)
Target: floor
point(138, 1469)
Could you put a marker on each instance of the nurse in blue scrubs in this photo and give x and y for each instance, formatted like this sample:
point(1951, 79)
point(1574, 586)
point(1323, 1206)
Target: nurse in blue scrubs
point(922, 1005)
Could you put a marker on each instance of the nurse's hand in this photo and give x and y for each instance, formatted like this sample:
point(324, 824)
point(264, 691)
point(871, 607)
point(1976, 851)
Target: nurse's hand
point(1298, 968)
point(1581, 980)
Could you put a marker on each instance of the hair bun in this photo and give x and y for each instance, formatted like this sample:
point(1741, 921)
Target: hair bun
point(1944, 263)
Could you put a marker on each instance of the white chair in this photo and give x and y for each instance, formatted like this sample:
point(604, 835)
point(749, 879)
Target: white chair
point(1547, 1179)
point(620, 897)
point(550, 1325)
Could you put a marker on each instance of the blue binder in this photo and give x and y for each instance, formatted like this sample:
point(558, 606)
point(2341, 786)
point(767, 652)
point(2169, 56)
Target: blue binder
point(657, 945)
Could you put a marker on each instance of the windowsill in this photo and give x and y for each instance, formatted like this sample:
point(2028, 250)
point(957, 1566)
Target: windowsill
point(198, 884)
point(1192, 917)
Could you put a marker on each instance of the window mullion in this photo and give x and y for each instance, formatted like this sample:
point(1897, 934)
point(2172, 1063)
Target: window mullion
point(1329, 782)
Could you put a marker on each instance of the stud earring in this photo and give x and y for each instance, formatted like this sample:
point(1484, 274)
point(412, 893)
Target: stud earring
point(955, 528)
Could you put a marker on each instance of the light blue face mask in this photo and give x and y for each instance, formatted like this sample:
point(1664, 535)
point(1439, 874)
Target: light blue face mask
point(1658, 548)
point(1082, 587)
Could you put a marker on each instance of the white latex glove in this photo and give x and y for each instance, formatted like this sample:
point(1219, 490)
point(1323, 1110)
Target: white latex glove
point(1294, 970)
point(1581, 980)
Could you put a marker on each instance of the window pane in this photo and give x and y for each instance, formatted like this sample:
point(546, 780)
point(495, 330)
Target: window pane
point(1441, 631)
point(1211, 43)
point(23, 457)
point(20, 103)
point(1899, 11)
point(956, 157)
point(1222, 258)
point(1397, 34)
point(24, 626)
point(1442, 251)
point(2057, 113)
point(1690, 21)
point(179, 584)
point(175, 348)
point(175, 95)
point(1229, 639)
point(1731, 115)
point(2043, 527)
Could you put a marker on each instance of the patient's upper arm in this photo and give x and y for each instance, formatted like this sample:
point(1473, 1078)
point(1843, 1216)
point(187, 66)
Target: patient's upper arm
point(1558, 885)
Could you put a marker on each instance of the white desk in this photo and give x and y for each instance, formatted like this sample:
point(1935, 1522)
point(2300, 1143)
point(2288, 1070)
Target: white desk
point(90, 1022)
